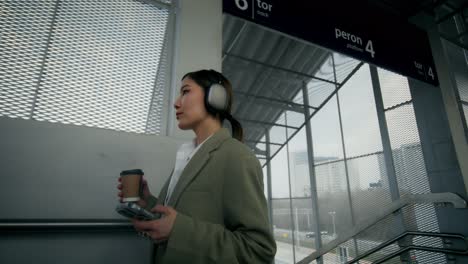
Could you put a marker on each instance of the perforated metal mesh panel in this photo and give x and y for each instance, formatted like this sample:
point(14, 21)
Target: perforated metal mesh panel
point(462, 85)
point(369, 185)
point(394, 87)
point(388, 228)
point(407, 152)
point(458, 59)
point(408, 158)
point(417, 256)
point(435, 242)
point(153, 125)
point(96, 66)
point(24, 32)
point(379, 233)
point(344, 252)
point(422, 217)
point(428, 257)
point(395, 260)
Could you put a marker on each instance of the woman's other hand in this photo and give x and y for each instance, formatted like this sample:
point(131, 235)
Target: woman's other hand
point(159, 230)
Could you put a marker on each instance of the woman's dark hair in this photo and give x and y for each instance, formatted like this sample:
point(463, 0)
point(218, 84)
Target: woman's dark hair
point(206, 78)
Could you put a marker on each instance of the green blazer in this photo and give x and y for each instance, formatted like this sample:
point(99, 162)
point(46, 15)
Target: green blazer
point(222, 214)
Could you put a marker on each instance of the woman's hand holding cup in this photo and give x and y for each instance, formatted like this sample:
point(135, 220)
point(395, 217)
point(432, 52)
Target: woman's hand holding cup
point(135, 190)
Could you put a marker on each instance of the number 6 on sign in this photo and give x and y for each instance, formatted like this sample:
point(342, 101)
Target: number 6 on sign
point(242, 4)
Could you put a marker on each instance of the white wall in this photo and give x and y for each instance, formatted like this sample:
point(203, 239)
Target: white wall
point(199, 45)
point(65, 171)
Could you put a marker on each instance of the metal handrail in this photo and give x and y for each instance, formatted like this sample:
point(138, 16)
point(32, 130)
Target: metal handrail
point(421, 248)
point(414, 233)
point(54, 225)
point(435, 198)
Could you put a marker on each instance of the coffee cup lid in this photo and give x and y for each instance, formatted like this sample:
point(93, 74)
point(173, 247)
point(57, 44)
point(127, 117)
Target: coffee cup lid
point(135, 171)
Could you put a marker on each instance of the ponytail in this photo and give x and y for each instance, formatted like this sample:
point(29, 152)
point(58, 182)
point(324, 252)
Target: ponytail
point(237, 131)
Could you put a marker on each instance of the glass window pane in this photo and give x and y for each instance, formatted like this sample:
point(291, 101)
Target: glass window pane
point(265, 182)
point(252, 132)
point(278, 134)
point(294, 118)
point(326, 133)
point(283, 231)
point(303, 223)
point(344, 66)
point(326, 70)
point(279, 175)
point(299, 165)
point(360, 124)
point(333, 200)
point(319, 91)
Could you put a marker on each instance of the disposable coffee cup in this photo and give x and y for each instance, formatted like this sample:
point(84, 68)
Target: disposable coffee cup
point(132, 185)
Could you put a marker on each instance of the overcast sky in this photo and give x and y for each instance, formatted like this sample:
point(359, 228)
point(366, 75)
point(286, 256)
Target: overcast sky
point(360, 127)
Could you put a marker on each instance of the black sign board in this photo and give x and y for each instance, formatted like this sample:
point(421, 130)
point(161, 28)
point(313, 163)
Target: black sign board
point(349, 27)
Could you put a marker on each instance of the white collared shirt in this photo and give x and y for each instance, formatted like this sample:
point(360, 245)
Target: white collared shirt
point(184, 154)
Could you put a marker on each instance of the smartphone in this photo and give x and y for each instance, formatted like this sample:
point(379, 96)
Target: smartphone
point(133, 210)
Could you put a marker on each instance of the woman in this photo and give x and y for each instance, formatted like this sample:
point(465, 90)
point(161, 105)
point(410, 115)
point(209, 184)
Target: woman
point(213, 208)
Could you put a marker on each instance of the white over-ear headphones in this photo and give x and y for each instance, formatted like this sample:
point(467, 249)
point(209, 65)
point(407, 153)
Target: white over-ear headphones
point(217, 97)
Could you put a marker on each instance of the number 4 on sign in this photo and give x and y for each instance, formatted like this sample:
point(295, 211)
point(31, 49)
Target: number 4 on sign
point(431, 73)
point(370, 48)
